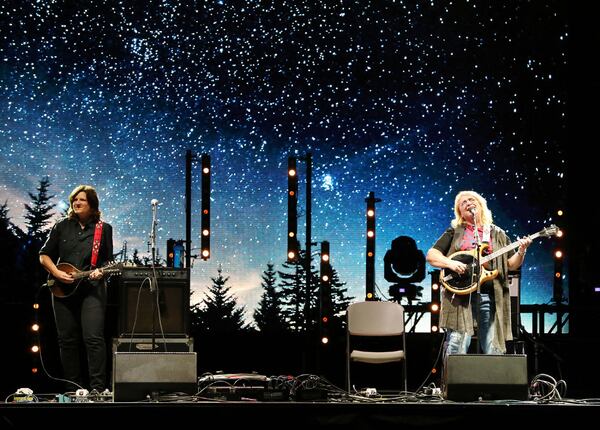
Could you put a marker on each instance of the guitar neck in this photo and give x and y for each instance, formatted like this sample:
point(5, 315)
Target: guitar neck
point(81, 275)
point(505, 249)
point(86, 273)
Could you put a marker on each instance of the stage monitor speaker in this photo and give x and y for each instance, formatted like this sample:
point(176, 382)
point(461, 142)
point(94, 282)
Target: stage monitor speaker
point(136, 302)
point(470, 377)
point(141, 375)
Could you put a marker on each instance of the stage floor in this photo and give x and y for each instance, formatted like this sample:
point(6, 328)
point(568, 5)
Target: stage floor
point(320, 414)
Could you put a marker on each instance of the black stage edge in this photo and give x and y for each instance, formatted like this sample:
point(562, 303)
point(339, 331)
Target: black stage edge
point(265, 415)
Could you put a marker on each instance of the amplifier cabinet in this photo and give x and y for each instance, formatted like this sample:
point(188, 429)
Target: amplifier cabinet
point(171, 298)
point(144, 344)
point(139, 376)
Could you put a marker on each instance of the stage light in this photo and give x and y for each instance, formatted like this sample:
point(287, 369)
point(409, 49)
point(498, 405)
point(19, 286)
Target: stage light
point(36, 306)
point(435, 301)
point(325, 291)
point(35, 348)
point(293, 246)
point(170, 254)
point(35, 327)
point(404, 265)
point(557, 288)
point(205, 214)
point(560, 234)
point(175, 253)
point(370, 256)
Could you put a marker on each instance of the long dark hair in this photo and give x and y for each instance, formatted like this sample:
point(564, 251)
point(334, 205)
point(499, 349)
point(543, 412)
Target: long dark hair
point(92, 198)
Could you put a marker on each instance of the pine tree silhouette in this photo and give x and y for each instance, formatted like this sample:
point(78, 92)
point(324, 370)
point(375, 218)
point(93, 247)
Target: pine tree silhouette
point(39, 213)
point(218, 312)
point(293, 296)
point(10, 265)
point(37, 217)
point(339, 301)
point(268, 314)
point(293, 291)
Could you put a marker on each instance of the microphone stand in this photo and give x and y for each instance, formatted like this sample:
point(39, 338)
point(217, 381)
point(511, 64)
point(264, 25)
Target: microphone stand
point(537, 346)
point(476, 274)
point(153, 281)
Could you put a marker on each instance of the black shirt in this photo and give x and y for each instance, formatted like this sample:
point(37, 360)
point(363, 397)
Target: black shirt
point(69, 243)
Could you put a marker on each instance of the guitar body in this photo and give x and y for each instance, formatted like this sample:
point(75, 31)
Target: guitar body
point(467, 282)
point(62, 290)
point(477, 273)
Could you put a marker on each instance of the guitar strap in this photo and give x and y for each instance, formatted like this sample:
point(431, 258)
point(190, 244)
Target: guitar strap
point(96, 244)
point(486, 234)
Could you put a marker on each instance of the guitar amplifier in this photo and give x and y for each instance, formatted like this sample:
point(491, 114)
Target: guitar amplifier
point(145, 344)
point(137, 302)
point(140, 376)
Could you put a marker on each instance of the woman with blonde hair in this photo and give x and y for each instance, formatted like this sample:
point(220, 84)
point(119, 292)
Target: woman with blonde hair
point(466, 301)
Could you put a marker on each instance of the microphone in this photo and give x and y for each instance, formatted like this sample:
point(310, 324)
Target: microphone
point(473, 210)
point(154, 202)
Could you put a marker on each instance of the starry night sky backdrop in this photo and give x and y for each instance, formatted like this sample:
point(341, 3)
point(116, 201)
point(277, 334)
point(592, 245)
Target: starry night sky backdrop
point(412, 100)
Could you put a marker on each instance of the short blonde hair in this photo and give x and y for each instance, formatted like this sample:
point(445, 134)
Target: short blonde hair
point(486, 214)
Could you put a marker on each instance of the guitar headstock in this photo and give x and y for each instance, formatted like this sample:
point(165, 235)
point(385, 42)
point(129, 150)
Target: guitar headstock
point(552, 230)
point(112, 268)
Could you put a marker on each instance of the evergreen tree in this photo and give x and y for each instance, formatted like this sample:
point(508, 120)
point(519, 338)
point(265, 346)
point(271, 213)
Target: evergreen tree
point(10, 265)
point(39, 213)
point(219, 312)
point(293, 290)
point(6, 225)
point(339, 301)
point(268, 315)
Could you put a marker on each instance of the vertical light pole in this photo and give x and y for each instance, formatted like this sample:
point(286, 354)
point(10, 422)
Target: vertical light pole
point(370, 271)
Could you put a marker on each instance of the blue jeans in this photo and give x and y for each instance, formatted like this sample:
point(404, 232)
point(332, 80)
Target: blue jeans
point(458, 343)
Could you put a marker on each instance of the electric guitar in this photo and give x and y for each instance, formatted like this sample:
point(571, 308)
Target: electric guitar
point(62, 290)
point(467, 282)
